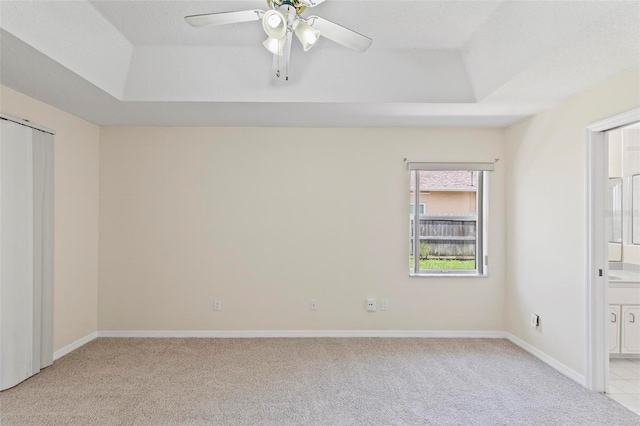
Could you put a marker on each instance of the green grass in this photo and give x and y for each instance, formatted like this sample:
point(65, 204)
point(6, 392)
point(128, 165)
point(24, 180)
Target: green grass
point(444, 264)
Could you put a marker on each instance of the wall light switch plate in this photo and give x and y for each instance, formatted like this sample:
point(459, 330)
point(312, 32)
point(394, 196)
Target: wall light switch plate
point(313, 305)
point(384, 305)
point(371, 304)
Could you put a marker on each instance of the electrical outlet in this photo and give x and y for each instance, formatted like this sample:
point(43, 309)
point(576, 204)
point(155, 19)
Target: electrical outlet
point(384, 305)
point(314, 305)
point(371, 304)
point(535, 320)
point(217, 305)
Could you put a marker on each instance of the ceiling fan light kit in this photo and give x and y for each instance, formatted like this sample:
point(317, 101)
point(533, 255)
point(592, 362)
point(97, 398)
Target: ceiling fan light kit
point(307, 35)
point(281, 22)
point(274, 24)
point(274, 45)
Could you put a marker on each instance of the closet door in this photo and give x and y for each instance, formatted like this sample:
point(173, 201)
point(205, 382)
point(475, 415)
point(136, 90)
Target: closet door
point(16, 254)
point(42, 249)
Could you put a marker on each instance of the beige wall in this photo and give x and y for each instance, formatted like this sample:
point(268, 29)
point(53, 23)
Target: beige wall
point(189, 215)
point(546, 211)
point(76, 214)
point(178, 225)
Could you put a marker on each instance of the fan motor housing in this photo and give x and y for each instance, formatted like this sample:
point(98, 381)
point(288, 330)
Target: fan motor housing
point(275, 4)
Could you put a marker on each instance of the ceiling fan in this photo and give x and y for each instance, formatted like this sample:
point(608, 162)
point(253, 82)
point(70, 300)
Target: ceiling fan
point(281, 22)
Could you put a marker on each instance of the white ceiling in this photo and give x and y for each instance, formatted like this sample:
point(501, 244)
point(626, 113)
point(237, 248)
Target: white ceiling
point(423, 24)
point(465, 63)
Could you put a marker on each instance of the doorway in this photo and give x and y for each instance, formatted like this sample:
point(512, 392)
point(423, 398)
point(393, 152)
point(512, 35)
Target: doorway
point(604, 239)
point(624, 265)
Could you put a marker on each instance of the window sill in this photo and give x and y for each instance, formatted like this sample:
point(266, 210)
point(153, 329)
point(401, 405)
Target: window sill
point(448, 275)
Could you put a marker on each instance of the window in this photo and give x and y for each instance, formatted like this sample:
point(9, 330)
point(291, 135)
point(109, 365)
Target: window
point(422, 208)
point(450, 226)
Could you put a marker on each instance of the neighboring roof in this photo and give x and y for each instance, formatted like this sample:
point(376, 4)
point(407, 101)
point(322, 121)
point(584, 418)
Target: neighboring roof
point(447, 180)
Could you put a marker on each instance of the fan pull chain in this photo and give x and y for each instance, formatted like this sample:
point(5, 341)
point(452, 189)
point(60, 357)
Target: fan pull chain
point(291, 23)
point(287, 53)
point(276, 65)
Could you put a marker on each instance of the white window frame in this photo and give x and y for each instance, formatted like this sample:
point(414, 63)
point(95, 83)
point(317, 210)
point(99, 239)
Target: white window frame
point(481, 217)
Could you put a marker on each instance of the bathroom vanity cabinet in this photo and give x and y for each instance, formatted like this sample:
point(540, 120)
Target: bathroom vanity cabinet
point(624, 329)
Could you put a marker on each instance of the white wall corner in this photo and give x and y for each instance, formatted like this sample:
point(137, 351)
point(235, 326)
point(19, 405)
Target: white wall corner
point(549, 360)
point(75, 345)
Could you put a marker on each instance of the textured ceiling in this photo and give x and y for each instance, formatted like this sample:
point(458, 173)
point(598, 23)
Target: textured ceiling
point(432, 62)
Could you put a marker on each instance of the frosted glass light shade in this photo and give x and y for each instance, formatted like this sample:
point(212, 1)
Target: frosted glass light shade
point(307, 35)
point(274, 45)
point(274, 24)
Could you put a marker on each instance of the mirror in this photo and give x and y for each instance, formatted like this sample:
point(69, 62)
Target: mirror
point(635, 209)
point(615, 219)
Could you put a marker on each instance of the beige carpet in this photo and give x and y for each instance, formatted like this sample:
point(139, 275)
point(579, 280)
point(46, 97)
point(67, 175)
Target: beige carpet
point(363, 381)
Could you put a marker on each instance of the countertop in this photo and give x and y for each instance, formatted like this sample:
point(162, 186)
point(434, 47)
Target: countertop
point(622, 276)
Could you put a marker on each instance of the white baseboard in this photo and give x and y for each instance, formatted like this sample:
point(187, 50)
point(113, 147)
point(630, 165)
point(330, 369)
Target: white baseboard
point(567, 371)
point(304, 333)
point(75, 345)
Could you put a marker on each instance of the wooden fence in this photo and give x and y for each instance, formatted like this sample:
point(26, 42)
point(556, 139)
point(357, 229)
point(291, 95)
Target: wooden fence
point(446, 237)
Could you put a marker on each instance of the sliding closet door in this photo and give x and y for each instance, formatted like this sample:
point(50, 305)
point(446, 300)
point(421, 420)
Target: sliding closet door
point(43, 249)
point(26, 252)
point(16, 254)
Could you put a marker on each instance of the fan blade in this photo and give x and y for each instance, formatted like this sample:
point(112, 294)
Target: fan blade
point(340, 34)
point(310, 3)
point(224, 18)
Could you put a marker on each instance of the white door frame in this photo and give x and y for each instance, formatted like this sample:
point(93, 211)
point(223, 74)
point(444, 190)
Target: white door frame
point(597, 374)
